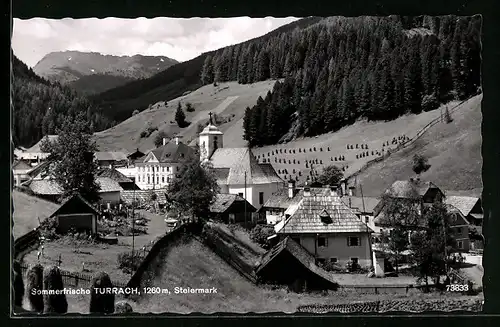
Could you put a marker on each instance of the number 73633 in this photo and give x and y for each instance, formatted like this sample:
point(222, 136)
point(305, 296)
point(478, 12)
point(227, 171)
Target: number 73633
point(457, 288)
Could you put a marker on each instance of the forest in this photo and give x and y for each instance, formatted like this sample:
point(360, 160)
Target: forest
point(40, 106)
point(343, 69)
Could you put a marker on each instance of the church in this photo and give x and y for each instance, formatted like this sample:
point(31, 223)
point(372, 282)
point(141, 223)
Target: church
point(237, 169)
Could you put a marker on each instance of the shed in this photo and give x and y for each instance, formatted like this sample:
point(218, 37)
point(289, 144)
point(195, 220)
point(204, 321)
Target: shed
point(76, 213)
point(230, 208)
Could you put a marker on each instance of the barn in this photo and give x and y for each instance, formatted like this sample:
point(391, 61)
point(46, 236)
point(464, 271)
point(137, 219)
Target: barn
point(230, 208)
point(78, 214)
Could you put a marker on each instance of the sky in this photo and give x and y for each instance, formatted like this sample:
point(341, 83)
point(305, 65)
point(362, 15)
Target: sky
point(177, 38)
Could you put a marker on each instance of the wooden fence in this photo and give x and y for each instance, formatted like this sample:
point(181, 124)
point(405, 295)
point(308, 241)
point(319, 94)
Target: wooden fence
point(26, 243)
point(407, 143)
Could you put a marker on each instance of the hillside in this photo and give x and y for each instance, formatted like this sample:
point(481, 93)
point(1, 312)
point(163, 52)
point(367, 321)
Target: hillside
point(27, 210)
point(454, 152)
point(110, 71)
point(120, 102)
point(227, 100)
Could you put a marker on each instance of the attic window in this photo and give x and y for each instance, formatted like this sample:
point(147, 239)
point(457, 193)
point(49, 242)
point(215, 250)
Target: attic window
point(325, 217)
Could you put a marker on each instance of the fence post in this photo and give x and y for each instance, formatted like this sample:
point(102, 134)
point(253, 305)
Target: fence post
point(376, 290)
point(76, 280)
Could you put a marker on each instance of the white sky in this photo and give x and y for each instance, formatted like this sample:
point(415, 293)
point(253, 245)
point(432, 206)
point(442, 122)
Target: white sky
point(177, 38)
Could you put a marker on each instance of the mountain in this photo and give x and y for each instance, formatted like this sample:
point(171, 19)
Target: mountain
point(91, 72)
point(119, 103)
point(41, 106)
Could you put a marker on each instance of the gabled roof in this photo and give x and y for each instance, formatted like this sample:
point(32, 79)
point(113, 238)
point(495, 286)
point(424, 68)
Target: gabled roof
point(174, 153)
point(358, 203)
point(462, 203)
point(108, 185)
point(21, 165)
point(456, 216)
point(113, 174)
point(241, 160)
point(406, 188)
point(39, 169)
point(44, 187)
point(224, 201)
point(110, 156)
point(142, 196)
point(298, 252)
point(72, 200)
point(306, 218)
point(281, 200)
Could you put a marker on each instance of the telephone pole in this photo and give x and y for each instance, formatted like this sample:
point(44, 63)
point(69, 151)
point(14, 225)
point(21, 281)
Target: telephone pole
point(245, 199)
point(367, 227)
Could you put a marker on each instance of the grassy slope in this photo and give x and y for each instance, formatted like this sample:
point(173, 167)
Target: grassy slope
point(454, 151)
point(27, 209)
point(126, 135)
point(374, 134)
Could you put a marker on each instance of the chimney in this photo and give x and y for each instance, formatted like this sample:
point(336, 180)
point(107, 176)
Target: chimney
point(342, 187)
point(164, 140)
point(291, 189)
point(307, 190)
point(110, 166)
point(333, 190)
point(177, 139)
point(352, 191)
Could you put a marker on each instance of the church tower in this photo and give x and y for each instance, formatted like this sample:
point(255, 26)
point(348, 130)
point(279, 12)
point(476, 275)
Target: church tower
point(211, 138)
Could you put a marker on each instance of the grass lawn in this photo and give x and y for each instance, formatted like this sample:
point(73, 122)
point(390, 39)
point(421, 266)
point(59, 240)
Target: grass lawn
point(97, 257)
point(27, 210)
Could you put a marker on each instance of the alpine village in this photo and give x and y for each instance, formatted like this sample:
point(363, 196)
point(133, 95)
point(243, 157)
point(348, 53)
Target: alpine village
point(331, 165)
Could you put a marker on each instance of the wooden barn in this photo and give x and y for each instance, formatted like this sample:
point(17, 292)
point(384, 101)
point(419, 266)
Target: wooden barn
point(288, 263)
point(78, 214)
point(230, 208)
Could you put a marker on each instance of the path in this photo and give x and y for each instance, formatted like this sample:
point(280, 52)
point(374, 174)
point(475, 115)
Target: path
point(217, 110)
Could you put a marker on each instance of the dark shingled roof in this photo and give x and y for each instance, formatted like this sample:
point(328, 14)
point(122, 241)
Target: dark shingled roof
point(110, 156)
point(172, 152)
point(113, 174)
point(462, 203)
point(306, 219)
point(224, 201)
point(405, 189)
point(74, 198)
point(241, 160)
point(301, 254)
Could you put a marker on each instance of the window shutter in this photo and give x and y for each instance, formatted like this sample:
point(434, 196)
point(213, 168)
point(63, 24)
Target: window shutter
point(359, 241)
point(348, 243)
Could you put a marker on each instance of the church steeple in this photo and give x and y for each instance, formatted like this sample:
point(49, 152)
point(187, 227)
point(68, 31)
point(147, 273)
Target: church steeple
point(210, 139)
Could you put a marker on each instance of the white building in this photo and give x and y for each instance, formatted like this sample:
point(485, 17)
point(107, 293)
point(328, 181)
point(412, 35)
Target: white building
point(160, 166)
point(237, 169)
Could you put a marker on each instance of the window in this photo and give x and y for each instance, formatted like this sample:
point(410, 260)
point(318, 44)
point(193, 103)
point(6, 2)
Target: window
point(353, 241)
point(157, 179)
point(322, 242)
point(296, 239)
point(261, 197)
point(163, 179)
point(162, 169)
point(460, 245)
point(240, 194)
point(321, 261)
point(367, 219)
point(333, 260)
point(168, 168)
point(354, 260)
point(459, 230)
point(149, 180)
point(168, 179)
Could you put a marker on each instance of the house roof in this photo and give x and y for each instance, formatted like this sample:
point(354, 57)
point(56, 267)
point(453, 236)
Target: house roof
point(172, 152)
point(224, 201)
point(39, 169)
point(405, 188)
point(462, 203)
point(457, 217)
point(110, 156)
point(358, 203)
point(281, 200)
point(21, 165)
point(44, 187)
point(211, 129)
point(142, 196)
point(36, 147)
point(71, 200)
point(108, 185)
point(113, 174)
point(239, 161)
point(306, 218)
point(136, 154)
point(297, 251)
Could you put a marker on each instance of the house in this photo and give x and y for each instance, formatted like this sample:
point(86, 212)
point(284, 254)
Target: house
point(125, 182)
point(469, 206)
point(20, 170)
point(111, 158)
point(459, 228)
point(109, 191)
point(35, 155)
point(78, 214)
point(237, 169)
point(161, 165)
point(231, 208)
point(328, 229)
point(364, 207)
point(288, 263)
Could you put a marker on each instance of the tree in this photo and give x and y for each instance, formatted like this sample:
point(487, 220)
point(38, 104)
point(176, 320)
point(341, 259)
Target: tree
point(18, 284)
point(101, 303)
point(54, 302)
point(71, 160)
point(207, 72)
point(398, 242)
point(189, 107)
point(447, 116)
point(35, 282)
point(123, 307)
point(401, 209)
point(420, 164)
point(135, 112)
point(159, 138)
point(331, 175)
point(195, 189)
point(180, 116)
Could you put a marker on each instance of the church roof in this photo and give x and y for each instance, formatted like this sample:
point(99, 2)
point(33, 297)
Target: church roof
point(172, 152)
point(211, 129)
point(239, 161)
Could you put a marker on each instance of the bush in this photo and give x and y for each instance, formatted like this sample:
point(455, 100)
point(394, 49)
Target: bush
point(352, 266)
point(54, 303)
point(148, 131)
point(332, 266)
point(128, 262)
point(135, 112)
point(123, 307)
point(260, 233)
point(101, 303)
point(35, 282)
point(189, 107)
point(18, 284)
